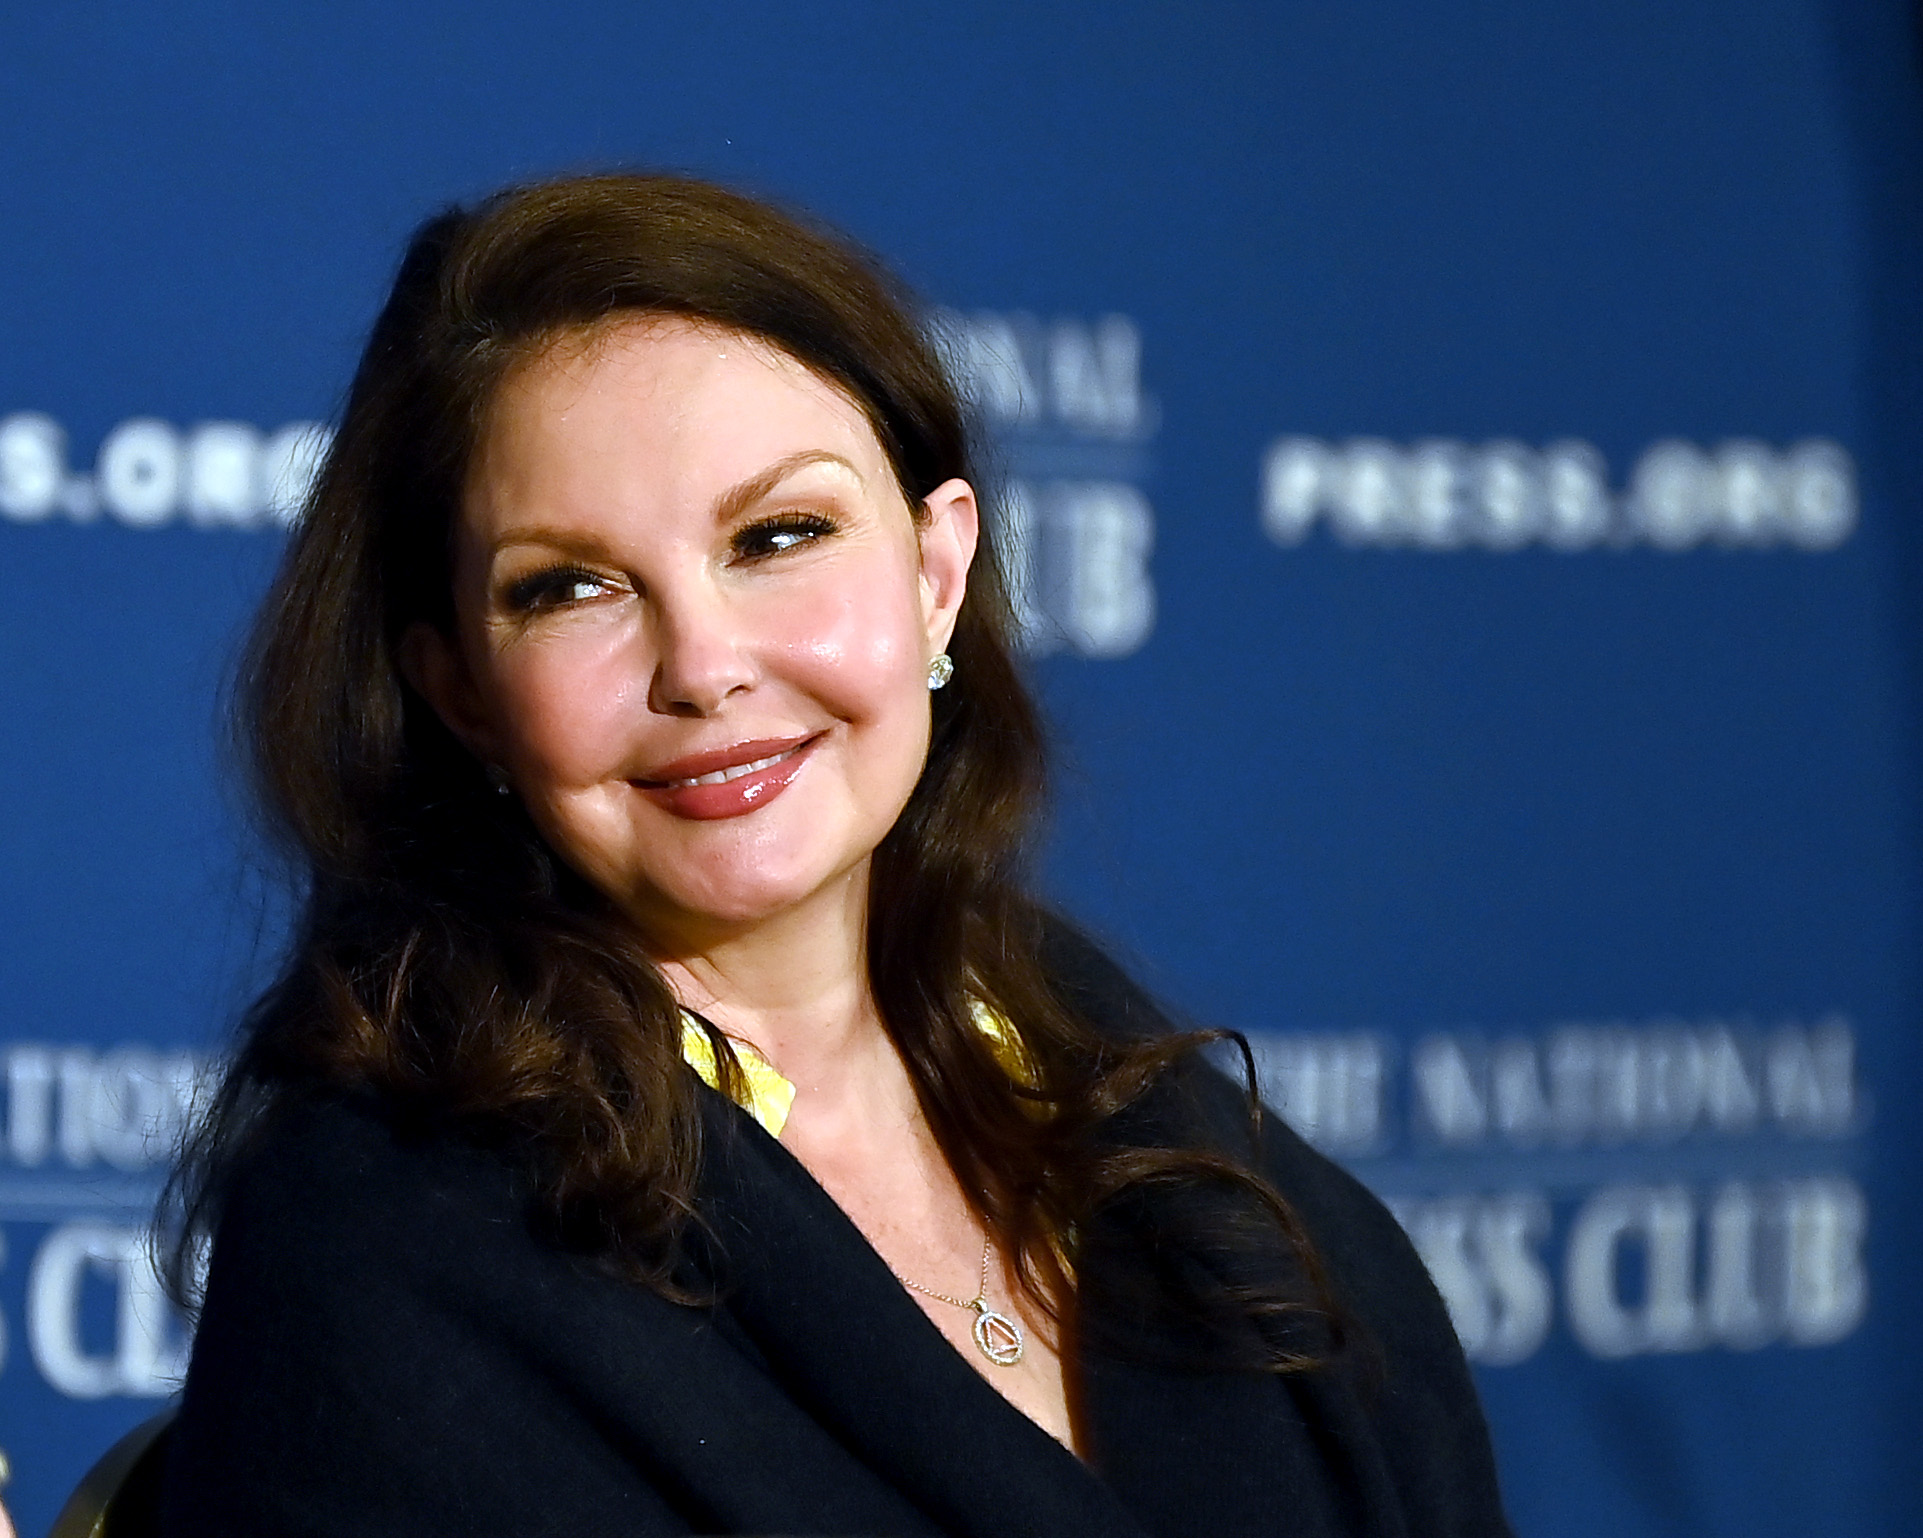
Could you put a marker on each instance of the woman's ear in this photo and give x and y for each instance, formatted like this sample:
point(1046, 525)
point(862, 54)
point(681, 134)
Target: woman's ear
point(948, 537)
point(433, 665)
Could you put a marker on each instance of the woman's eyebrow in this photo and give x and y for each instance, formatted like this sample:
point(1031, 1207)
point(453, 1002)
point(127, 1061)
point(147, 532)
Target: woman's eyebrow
point(574, 542)
point(730, 505)
point(738, 498)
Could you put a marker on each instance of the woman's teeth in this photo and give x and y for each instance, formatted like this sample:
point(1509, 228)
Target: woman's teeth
point(722, 776)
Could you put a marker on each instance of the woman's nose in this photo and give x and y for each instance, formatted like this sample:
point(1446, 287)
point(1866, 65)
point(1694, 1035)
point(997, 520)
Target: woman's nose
point(703, 656)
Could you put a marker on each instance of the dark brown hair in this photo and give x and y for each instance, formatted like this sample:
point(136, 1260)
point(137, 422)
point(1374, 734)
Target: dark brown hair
point(447, 962)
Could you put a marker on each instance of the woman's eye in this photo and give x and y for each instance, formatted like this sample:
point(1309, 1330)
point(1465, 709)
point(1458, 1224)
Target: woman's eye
point(780, 534)
point(553, 590)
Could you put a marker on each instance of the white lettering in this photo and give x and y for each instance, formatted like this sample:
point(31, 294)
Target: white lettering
point(1448, 1095)
point(1522, 1111)
point(1507, 1232)
point(1812, 1078)
point(139, 472)
point(1738, 1308)
point(1508, 496)
point(33, 466)
point(1109, 601)
point(1582, 1084)
point(76, 1106)
point(1731, 1098)
point(986, 355)
point(134, 1107)
point(1777, 1261)
point(29, 1104)
point(1329, 1088)
point(1747, 489)
point(1819, 495)
point(1295, 475)
point(1440, 494)
point(1827, 1291)
point(1576, 503)
point(1659, 1224)
point(1440, 1233)
point(1017, 373)
point(1095, 376)
point(127, 1107)
point(1437, 485)
point(1669, 495)
point(1076, 557)
point(1481, 1254)
point(223, 475)
point(1366, 506)
point(290, 464)
point(147, 1358)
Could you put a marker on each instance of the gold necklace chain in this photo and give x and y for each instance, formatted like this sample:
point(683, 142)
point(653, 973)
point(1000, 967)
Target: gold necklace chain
point(988, 1249)
point(997, 1337)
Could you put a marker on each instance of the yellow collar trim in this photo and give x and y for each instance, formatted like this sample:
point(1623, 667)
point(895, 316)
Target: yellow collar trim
point(768, 1097)
point(765, 1095)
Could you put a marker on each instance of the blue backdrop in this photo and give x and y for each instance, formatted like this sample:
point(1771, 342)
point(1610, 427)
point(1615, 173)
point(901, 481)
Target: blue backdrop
point(1467, 469)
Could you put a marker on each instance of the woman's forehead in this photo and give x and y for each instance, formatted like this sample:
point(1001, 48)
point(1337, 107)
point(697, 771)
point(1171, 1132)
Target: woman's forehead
point(618, 342)
point(647, 365)
point(662, 406)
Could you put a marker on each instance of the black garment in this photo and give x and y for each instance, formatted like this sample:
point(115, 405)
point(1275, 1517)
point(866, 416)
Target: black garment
point(386, 1348)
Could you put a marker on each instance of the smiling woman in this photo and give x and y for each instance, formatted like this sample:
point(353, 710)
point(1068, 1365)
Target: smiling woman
point(674, 1115)
point(689, 588)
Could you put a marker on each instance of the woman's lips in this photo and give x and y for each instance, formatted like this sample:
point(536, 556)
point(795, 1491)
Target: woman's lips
point(728, 783)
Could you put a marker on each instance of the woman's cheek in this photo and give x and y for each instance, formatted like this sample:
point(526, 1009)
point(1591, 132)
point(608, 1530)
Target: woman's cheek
point(861, 656)
point(569, 709)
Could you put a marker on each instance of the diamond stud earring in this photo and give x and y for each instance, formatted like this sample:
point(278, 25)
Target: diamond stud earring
point(940, 670)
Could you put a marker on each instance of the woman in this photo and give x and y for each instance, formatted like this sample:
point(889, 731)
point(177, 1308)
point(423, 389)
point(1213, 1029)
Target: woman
point(674, 1117)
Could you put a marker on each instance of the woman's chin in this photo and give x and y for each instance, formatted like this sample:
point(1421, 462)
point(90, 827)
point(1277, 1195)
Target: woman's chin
point(723, 909)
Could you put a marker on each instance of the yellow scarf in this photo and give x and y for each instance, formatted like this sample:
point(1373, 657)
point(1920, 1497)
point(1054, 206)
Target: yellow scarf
point(768, 1097)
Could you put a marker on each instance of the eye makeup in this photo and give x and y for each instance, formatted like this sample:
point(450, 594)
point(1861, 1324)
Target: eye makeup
point(551, 587)
point(783, 532)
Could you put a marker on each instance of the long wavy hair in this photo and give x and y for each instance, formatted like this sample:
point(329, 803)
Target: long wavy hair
point(446, 962)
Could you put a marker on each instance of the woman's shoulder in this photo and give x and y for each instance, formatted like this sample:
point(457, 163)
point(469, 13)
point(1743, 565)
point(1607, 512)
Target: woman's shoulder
point(387, 1343)
point(1375, 1268)
point(1215, 1103)
point(328, 1185)
point(1424, 1404)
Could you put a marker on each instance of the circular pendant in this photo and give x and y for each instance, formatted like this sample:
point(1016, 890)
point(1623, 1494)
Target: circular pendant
point(998, 1336)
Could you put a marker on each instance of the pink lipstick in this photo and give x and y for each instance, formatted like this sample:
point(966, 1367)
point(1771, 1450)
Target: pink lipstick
point(728, 782)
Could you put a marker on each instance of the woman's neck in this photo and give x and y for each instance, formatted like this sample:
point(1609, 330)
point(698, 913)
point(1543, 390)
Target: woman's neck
point(794, 986)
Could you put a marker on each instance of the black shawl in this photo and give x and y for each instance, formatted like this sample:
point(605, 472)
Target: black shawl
point(387, 1347)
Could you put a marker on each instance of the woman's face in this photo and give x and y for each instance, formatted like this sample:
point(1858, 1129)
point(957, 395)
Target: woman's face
point(694, 622)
